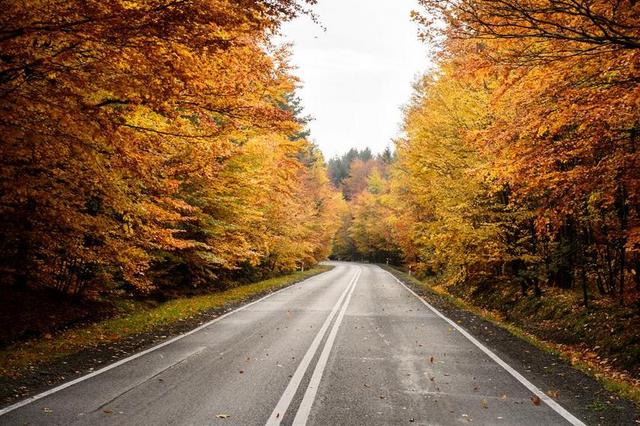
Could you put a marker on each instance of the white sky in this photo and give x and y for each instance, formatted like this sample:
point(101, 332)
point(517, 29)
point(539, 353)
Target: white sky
point(357, 74)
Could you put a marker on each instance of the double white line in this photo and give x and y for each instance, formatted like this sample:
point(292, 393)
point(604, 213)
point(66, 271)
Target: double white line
point(307, 401)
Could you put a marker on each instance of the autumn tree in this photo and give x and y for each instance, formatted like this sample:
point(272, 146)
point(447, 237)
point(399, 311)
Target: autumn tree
point(134, 142)
point(562, 139)
point(441, 185)
point(339, 166)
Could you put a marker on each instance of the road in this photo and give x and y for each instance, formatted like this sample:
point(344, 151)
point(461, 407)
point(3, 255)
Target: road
point(352, 346)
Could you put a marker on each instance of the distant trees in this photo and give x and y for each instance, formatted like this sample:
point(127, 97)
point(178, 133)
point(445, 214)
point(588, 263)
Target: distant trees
point(365, 231)
point(340, 167)
point(153, 143)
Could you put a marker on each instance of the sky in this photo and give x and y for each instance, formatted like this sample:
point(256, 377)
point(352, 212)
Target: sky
point(358, 73)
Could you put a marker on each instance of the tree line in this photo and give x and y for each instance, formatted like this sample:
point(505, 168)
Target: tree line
point(147, 145)
point(519, 158)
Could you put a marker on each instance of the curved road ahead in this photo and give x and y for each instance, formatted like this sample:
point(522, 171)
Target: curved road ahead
point(352, 346)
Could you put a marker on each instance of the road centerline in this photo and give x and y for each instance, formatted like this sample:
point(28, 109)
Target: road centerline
point(312, 389)
point(291, 389)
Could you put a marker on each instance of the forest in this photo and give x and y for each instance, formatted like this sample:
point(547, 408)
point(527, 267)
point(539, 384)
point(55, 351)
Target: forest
point(154, 147)
point(154, 144)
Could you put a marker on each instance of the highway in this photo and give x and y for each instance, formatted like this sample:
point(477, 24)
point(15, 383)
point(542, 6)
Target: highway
point(352, 346)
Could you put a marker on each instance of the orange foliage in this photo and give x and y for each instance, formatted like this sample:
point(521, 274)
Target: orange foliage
point(143, 139)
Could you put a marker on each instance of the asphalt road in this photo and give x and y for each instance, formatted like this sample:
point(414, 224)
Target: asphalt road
point(349, 347)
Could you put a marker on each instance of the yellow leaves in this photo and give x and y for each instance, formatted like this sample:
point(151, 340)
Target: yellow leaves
point(128, 224)
point(542, 131)
point(128, 229)
point(440, 174)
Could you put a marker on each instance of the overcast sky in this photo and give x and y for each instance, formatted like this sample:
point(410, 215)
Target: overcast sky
point(357, 74)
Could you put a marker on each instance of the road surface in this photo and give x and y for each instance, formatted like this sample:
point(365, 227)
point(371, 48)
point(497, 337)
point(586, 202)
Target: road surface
point(352, 346)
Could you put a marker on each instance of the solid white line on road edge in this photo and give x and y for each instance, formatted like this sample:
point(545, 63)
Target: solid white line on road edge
point(310, 394)
point(139, 354)
point(294, 383)
point(533, 388)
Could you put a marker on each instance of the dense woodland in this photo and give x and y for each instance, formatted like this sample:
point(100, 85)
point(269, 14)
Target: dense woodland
point(154, 144)
point(520, 154)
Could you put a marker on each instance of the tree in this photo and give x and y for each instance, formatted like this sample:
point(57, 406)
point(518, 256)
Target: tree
point(559, 143)
point(439, 182)
point(130, 132)
point(542, 29)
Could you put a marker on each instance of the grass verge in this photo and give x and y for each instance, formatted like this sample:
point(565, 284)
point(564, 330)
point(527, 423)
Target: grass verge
point(135, 318)
point(614, 381)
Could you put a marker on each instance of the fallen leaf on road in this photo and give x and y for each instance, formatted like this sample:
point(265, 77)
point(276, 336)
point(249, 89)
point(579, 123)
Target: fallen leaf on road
point(107, 411)
point(554, 394)
point(484, 403)
point(536, 400)
point(431, 360)
point(504, 396)
point(47, 410)
point(223, 416)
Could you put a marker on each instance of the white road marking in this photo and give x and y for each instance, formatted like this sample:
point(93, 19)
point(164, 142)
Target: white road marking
point(533, 388)
point(291, 389)
point(310, 394)
point(145, 352)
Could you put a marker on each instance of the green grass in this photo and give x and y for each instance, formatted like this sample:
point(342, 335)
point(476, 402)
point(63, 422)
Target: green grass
point(610, 380)
point(135, 318)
